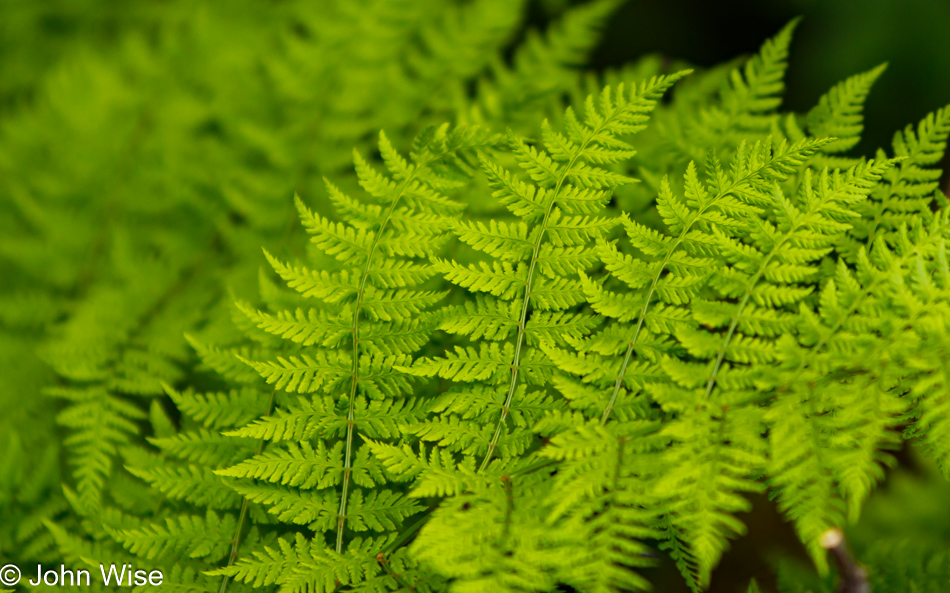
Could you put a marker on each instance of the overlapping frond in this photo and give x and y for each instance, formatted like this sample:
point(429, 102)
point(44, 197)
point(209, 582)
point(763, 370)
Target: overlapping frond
point(909, 190)
point(370, 313)
point(837, 387)
point(606, 493)
point(526, 287)
point(839, 113)
point(527, 297)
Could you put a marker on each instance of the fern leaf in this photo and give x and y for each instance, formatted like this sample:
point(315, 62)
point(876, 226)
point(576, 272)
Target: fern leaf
point(839, 111)
point(195, 537)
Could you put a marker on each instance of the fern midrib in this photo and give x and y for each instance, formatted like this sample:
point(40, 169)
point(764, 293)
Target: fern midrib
point(868, 292)
point(754, 281)
point(522, 321)
point(245, 508)
point(628, 355)
point(350, 413)
point(734, 322)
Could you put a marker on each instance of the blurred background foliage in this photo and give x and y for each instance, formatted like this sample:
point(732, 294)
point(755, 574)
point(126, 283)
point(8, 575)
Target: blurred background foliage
point(836, 38)
point(212, 114)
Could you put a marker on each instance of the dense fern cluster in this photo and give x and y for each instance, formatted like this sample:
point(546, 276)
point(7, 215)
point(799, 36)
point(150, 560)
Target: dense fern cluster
point(536, 347)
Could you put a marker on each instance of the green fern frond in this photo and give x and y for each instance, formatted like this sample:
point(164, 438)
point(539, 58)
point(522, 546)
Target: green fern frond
point(195, 537)
point(371, 313)
point(755, 93)
point(562, 170)
point(677, 266)
point(308, 566)
point(839, 112)
point(482, 540)
point(909, 188)
point(712, 461)
point(542, 68)
point(101, 423)
point(193, 484)
point(604, 491)
point(500, 363)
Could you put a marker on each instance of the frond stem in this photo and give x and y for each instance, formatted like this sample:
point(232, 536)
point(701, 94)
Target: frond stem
point(522, 321)
point(750, 286)
point(733, 324)
point(628, 355)
point(351, 405)
point(350, 413)
point(245, 507)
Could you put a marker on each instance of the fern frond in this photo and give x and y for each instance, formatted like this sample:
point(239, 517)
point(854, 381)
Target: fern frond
point(218, 410)
point(561, 169)
point(194, 537)
point(301, 565)
point(481, 540)
point(293, 465)
point(543, 67)
point(755, 93)
point(710, 464)
point(839, 112)
point(676, 267)
point(908, 189)
point(824, 465)
point(101, 422)
point(193, 484)
point(373, 314)
point(531, 289)
point(604, 491)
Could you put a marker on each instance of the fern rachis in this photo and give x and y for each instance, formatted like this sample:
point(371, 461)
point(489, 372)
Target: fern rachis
point(576, 153)
point(784, 159)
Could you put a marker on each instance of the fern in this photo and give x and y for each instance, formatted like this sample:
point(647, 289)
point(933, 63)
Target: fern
point(498, 363)
point(838, 113)
point(739, 103)
point(526, 275)
point(379, 305)
point(764, 291)
point(606, 495)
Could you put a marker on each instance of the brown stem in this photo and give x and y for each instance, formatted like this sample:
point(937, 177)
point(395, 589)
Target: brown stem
point(854, 578)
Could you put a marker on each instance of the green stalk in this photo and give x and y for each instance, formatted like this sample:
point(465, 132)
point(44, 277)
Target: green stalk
point(628, 355)
point(245, 506)
point(522, 321)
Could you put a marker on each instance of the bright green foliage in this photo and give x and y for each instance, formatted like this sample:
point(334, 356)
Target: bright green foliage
point(142, 177)
point(525, 286)
point(605, 495)
point(909, 188)
point(531, 350)
point(368, 314)
point(839, 112)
